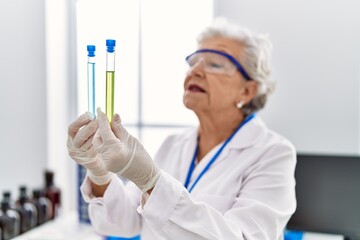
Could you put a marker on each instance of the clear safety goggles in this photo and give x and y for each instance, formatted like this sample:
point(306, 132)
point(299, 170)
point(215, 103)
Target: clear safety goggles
point(216, 62)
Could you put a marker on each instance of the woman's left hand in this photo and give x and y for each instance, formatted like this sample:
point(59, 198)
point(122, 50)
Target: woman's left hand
point(123, 154)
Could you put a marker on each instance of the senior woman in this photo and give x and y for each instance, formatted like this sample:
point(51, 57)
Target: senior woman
point(229, 178)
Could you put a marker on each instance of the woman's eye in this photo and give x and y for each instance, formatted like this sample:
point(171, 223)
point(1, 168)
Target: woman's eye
point(216, 65)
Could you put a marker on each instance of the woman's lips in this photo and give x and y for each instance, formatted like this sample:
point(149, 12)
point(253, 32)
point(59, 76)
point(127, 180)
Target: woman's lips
point(195, 88)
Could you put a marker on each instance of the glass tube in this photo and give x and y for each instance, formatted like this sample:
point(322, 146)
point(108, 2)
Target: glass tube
point(91, 78)
point(110, 78)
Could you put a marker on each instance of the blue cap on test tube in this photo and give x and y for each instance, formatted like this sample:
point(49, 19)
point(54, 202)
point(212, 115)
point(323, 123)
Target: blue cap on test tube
point(110, 44)
point(91, 50)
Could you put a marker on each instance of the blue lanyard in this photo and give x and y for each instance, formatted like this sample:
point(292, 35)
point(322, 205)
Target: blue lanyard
point(192, 165)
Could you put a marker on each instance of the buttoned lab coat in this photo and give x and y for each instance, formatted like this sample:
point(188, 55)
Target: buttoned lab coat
point(248, 193)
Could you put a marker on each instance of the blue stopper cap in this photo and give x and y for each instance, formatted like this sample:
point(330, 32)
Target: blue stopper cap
point(110, 44)
point(91, 50)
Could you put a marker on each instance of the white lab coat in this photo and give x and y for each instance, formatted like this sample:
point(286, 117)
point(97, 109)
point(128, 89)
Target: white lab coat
point(248, 193)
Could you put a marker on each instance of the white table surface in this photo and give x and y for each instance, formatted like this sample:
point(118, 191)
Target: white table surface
point(62, 228)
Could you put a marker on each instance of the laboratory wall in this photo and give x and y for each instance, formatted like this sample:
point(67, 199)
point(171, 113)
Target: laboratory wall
point(23, 121)
point(316, 61)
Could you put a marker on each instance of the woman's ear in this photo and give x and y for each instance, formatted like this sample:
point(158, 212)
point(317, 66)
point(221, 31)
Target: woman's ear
point(250, 91)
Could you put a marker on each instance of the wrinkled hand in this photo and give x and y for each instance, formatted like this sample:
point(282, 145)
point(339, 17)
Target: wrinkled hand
point(80, 135)
point(123, 154)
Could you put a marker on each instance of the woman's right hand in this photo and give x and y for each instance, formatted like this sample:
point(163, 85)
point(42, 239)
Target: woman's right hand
point(80, 148)
point(123, 154)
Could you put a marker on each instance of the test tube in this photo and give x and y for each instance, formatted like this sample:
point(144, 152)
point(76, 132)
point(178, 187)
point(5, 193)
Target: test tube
point(110, 78)
point(91, 78)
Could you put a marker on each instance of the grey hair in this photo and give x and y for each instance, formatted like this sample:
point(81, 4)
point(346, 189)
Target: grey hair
point(255, 58)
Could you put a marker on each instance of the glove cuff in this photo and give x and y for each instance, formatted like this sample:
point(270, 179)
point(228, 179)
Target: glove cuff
point(151, 183)
point(100, 180)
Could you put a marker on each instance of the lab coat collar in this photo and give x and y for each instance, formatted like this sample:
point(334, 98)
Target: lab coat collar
point(248, 134)
point(246, 137)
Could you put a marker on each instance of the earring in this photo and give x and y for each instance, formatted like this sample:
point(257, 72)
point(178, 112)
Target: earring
point(239, 105)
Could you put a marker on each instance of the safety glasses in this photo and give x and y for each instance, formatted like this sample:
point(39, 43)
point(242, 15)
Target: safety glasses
point(216, 62)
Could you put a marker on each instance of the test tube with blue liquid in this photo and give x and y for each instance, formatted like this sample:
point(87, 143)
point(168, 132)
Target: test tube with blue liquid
point(91, 78)
point(82, 205)
point(110, 77)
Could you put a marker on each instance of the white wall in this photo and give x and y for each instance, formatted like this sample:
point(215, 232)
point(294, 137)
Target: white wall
point(317, 65)
point(23, 143)
point(38, 94)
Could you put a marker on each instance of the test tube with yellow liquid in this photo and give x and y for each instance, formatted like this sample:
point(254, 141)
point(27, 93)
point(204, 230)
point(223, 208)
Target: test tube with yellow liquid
point(110, 78)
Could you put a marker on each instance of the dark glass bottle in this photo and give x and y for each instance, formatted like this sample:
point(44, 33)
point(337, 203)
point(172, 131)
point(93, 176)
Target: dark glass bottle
point(7, 198)
point(27, 210)
point(53, 193)
point(9, 219)
point(43, 206)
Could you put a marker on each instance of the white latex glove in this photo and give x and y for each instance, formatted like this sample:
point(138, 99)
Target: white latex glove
point(123, 154)
point(80, 135)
